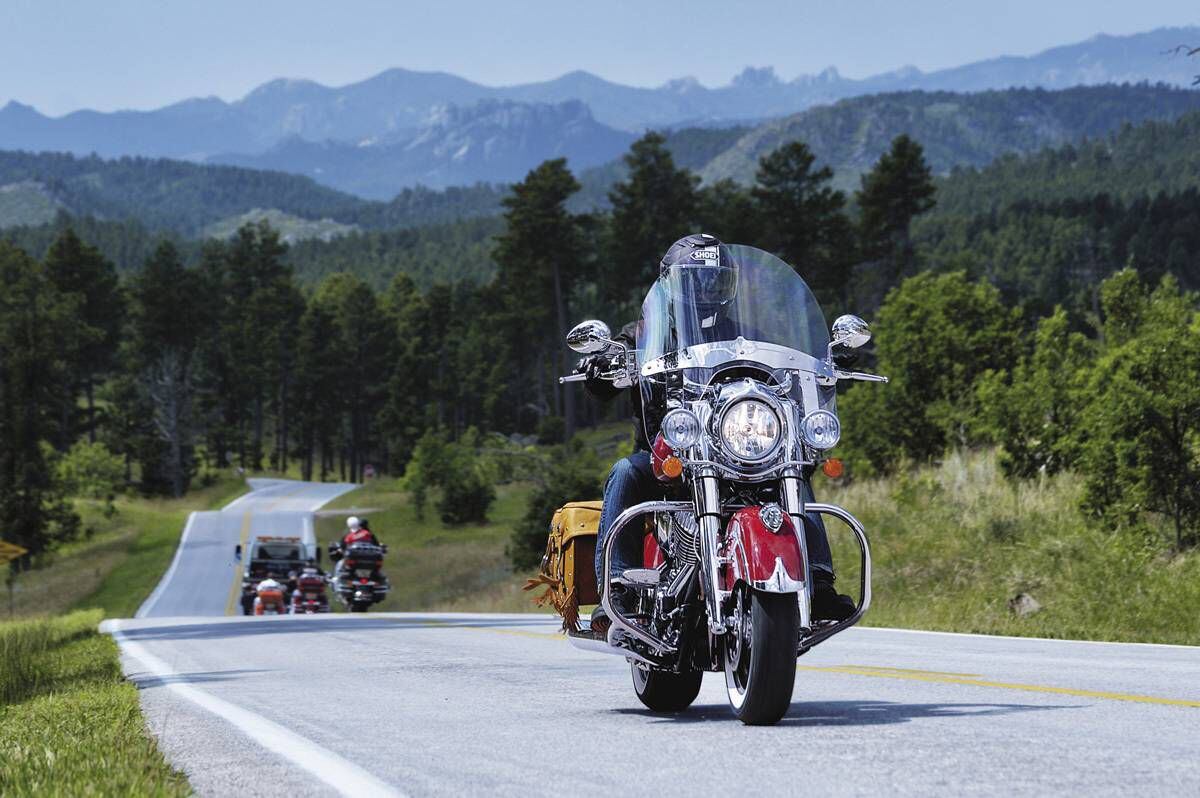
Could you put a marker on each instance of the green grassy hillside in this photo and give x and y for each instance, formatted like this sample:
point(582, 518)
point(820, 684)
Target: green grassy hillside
point(121, 558)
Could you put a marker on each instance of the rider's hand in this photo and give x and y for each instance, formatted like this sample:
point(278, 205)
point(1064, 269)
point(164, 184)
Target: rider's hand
point(593, 366)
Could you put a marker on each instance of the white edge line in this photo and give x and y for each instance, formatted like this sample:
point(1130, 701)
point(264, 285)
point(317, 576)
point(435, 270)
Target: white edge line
point(334, 770)
point(160, 588)
point(1024, 639)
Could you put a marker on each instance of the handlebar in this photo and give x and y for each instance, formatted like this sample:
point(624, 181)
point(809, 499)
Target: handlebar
point(573, 378)
point(859, 375)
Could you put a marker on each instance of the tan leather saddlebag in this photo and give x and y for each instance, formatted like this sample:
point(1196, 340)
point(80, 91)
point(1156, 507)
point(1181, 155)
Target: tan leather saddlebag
point(569, 566)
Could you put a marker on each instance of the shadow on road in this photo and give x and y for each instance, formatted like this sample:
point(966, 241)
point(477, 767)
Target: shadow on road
point(311, 624)
point(223, 630)
point(144, 681)
point(846, 713)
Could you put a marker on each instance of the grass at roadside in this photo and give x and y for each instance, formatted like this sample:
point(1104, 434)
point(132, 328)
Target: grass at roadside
point(117, 566)
point(69, 723)
point(431, 565)
point(953, 544)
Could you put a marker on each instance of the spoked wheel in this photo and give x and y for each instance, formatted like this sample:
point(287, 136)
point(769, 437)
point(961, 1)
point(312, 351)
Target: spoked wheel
point(665, 692)
point(760, 655)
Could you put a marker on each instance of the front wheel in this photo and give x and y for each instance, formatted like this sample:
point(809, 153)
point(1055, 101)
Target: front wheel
point(359, 606)
point(760, 655)
point(662, 691)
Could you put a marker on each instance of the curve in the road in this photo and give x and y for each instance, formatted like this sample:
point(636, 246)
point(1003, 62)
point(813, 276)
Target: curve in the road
point(204, 577)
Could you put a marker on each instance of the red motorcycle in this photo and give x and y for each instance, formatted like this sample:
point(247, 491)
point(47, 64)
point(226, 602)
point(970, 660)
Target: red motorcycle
point(309, 596)
point(748, 389)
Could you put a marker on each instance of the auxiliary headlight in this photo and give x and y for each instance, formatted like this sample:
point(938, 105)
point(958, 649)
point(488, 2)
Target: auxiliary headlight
point(681, 428)
point(750, 430)
point(821, 429)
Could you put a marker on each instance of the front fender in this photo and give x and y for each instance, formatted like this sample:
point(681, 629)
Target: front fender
point(764, 560)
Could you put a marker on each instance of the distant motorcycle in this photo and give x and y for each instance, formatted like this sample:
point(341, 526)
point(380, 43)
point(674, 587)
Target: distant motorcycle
point(309, 596)
point(268, 598)
point(358, 581)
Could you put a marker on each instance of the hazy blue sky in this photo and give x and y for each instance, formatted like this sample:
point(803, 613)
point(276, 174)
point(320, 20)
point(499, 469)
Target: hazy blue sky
point(106, 54)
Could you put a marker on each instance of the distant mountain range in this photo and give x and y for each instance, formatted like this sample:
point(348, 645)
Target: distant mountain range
point(402, 128)
point(493, 141)
point(956, 130)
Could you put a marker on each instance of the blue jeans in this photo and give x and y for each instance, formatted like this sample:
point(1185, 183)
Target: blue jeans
point(632, 481)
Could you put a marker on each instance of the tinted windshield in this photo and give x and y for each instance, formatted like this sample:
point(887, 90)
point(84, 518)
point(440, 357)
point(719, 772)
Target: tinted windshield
point(278, 551)
point(751, 294)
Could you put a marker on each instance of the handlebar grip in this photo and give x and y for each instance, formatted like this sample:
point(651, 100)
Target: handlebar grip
point(573, 378)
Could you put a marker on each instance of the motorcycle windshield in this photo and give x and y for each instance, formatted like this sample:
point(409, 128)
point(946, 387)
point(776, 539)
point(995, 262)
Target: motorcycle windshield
point(751, 294)
point(750, 308)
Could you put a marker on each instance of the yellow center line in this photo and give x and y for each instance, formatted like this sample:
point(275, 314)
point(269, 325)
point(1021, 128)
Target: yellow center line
point(879, 671)
point(432, 624)
point(860, 670)
point(885, 670)
point(235, 588)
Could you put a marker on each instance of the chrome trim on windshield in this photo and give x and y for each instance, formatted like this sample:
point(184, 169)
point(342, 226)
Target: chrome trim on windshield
point(711, 355)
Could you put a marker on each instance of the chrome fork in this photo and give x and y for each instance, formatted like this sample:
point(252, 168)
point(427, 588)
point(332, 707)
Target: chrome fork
point(706, 489)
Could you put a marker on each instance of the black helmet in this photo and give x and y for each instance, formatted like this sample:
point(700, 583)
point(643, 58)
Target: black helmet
point(700, 268)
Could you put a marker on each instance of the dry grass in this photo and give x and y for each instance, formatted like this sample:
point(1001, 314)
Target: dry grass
point(953, 544)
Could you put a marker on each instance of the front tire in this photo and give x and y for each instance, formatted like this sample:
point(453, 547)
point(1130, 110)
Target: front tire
point(662, 691)
point(760, 656)
point(359, 606)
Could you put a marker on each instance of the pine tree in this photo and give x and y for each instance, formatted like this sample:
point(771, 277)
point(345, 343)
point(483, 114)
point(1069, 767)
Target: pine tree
point(33, 369)
point(539, 258)
point(80, 270)
point(361, 347)
point(651, 208)
point(318, 388)
point(171, 316)
point(898, 189)
point(804, 218)
point(728, 211)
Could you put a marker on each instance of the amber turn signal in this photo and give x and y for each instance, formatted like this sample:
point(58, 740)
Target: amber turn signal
point(672, 467)
point(833, 468)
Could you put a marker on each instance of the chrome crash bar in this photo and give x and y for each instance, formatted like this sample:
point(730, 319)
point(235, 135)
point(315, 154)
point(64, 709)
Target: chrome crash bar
point(624, 624)
point(864, 595)
point(618, 620)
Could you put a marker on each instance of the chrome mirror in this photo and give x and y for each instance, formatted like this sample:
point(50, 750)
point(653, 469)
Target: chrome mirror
point(589, 337)
point(850, 331)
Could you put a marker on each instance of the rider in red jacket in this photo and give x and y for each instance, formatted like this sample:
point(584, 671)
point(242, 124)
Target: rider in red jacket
point(357, 532)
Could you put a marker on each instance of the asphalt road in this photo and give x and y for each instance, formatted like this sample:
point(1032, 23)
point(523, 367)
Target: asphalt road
point(415, 704)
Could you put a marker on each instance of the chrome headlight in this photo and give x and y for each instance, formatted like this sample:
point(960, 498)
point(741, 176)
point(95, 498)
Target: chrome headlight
point(681, 429)
point(750, 430)
point(821, 429)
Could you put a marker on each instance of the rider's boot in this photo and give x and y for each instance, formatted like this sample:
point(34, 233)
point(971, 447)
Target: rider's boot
point(624, 600)
point(827, 603)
